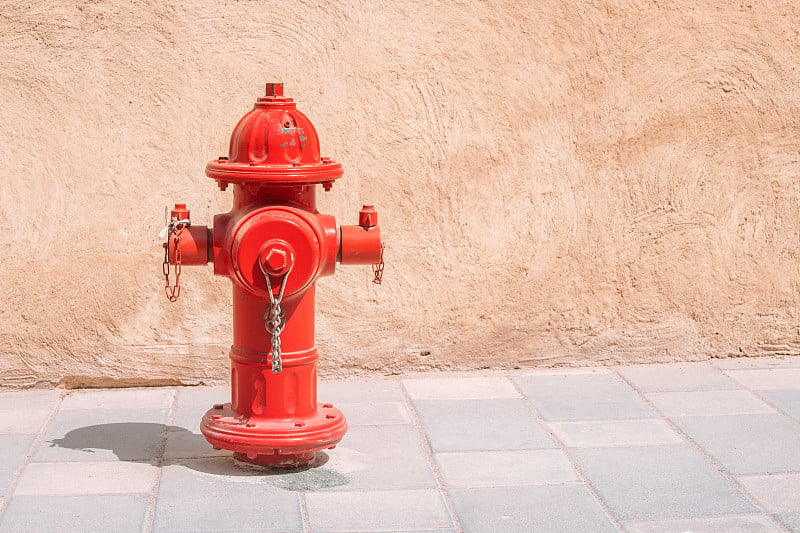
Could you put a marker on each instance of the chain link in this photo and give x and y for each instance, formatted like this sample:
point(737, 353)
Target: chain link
point(273, 319)
point(174, 230)
point(377, 268)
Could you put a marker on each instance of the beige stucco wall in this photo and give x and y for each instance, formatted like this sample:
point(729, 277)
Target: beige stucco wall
point(559, 182)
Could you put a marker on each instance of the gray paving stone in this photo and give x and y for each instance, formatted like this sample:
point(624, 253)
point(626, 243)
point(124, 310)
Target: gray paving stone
point(375, 414)
point(146, 399)
point(184, 444)
point(194, 500)
point(747, 444)
point(63, 479)
point(659, 482)
point(543, 508)
point(14, 450)
point(22, 420)
point(791, 521)
point(392, 510)
point(592, 434)
point(103, 435)
point(582, 397)
point(29, 399)
point(101, 514)
point(359, 391)
point(711, 524)
point(192, 403)
point(381, 457)
point(768, 378)
point(466, 425)
point(502, 468)
point(778, 493)
point(788, 401)
point(738, 363)
point(709, 403)
point(684, 377)
point(460, 388)
point(368, 458)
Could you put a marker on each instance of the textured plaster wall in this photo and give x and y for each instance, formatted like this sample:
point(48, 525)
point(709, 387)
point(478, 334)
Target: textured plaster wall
point(559, 182)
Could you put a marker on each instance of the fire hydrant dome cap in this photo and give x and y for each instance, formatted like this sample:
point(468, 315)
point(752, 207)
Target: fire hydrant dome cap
point(274, 143)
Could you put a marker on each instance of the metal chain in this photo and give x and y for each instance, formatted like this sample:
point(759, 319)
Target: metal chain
point(377, 268)
point(273, 319)
point(174, 229)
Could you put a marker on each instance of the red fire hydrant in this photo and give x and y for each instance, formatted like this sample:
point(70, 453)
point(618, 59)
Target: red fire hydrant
point(273, 245)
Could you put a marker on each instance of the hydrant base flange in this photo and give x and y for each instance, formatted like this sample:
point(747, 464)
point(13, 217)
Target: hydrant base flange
point(274, 443)
point(275, 461)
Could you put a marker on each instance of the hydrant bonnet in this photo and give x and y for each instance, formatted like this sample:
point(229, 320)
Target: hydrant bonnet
point(274, 143)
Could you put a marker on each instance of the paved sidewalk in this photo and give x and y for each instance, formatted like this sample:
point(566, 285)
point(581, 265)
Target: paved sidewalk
point(695, 447)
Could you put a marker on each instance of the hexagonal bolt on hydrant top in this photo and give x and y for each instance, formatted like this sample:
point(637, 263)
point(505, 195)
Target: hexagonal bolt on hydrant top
point(273, 245)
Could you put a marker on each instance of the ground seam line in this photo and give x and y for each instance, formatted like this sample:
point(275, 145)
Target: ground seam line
point(150, 516)
point(707, 456)
point(428, 451)
point(757, 395)
point(304, 516)
point(563, 447)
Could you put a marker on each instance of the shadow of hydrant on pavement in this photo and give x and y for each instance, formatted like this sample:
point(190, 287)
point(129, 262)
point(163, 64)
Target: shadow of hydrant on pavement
point(129, 441)
point(142, 442)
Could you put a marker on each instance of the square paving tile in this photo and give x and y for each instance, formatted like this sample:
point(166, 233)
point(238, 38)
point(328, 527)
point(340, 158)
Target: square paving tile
point(61, 479)
point(768, 378)
point(788, 401)
point(502, 468)
point(392, 510)
point(711, 524)
point(791, 521)
point(709, 403)
point(29, 399)
point(591, 434)
point(552, 508)
point(22, 420)
point(460, 388)
point(14, 450)
point(778, 493)
point(100, 514)
point(359, 391)
point(103, 435)
point(740, 363)
point(381, 457)
point(658, 482)
point(192, 403)
point(146, 399)
point(368, 458)
point(747, 444)
point(677, 377)
point(375, 414)
point(184, 444)
point(582, 397)
point(193, 497)
point(462, 425)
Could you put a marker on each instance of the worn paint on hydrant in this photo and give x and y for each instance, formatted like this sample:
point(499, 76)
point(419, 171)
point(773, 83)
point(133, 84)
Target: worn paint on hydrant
point(273, 245)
